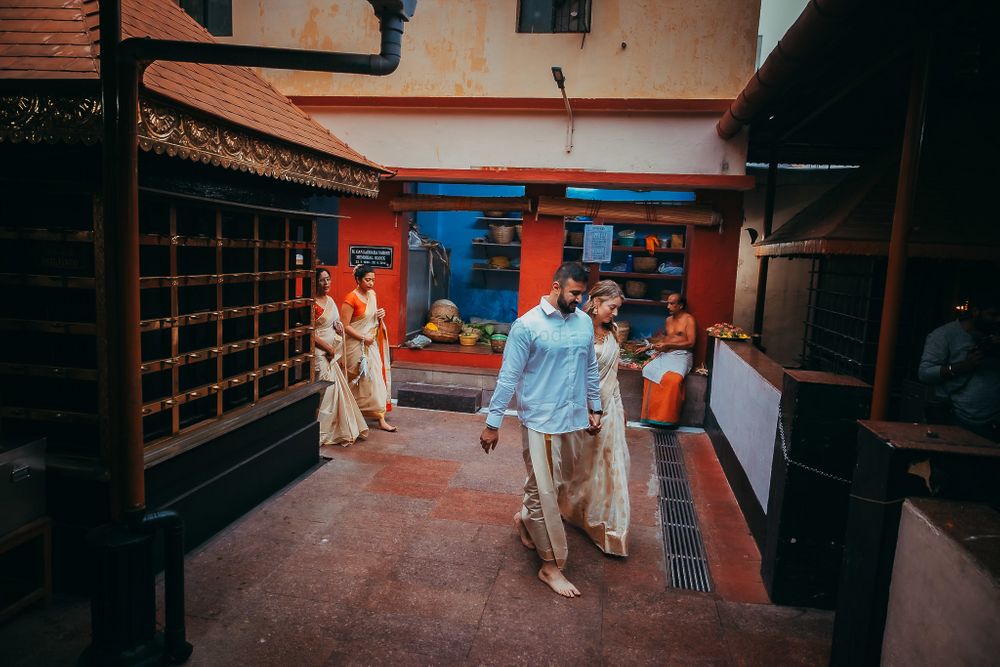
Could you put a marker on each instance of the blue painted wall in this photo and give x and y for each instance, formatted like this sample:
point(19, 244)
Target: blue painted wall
point(488, 295)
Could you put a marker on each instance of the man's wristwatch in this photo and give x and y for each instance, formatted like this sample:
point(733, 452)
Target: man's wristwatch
point(492, 428)
point(597, 412)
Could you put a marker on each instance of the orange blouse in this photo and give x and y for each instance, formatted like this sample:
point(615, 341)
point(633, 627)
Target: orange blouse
point(354, 301)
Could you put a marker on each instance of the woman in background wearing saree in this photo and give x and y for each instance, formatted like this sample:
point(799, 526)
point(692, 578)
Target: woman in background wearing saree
point(367, 348)
point(340, 420)
point(591, 471)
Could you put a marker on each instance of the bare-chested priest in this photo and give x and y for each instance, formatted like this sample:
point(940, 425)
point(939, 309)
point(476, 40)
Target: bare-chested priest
point(550, 365)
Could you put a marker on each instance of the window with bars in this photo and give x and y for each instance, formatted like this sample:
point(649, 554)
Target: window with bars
point(843, 315)
point(226, 307)
point(553, 16)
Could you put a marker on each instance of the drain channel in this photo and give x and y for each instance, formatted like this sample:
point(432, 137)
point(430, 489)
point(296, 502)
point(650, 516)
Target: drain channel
point(687, 566)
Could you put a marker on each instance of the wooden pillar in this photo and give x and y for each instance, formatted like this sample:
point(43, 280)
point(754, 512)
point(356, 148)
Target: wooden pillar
point(909, 163)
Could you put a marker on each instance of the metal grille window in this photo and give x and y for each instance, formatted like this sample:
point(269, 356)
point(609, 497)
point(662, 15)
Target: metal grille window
point(552, 16)
point(844, 311)
point(216, 16)
point(226, 309)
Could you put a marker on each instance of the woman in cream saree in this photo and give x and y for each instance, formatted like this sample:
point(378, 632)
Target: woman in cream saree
point(591, 471)
point(367, 348)
point(340, 420)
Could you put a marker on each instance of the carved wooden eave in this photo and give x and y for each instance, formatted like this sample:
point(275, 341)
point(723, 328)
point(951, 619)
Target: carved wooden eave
point(165, 129)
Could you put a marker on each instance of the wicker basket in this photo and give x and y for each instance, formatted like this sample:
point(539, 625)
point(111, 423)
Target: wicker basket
point(442, 310)
point(449, 327)
point(623, 330)
point(517, 232)
point(635, 289)
point(576, 239)
point(644, 264)
point(502, 233)
point(441, 336)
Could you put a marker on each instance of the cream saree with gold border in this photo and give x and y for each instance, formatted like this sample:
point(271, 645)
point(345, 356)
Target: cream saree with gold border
point(591, 471)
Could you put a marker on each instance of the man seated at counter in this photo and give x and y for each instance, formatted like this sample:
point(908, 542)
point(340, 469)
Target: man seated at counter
point(663, 377)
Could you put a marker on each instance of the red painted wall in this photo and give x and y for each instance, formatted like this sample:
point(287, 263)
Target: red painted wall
point(711, 270)
point(372, 223)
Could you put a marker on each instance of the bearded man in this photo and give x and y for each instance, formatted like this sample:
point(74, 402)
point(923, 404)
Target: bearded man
point(550, 365)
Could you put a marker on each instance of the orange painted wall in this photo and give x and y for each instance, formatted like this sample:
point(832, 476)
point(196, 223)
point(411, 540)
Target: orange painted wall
point(372, 223)
point(542, 239)
point(712, 263)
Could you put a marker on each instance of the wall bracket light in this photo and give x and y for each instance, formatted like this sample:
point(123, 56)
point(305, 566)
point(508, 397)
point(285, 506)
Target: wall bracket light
point(560, 79)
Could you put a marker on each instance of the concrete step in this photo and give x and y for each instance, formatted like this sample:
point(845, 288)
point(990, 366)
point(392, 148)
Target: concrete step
point(439, 397)
point(440, 374)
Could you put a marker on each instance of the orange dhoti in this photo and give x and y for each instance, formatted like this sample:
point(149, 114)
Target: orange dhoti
point(663, 388)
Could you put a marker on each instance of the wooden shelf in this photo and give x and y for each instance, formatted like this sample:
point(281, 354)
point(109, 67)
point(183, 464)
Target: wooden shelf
point(642, 248)
point(512, 244)
point(654, 276)
point(514, 220)
point(483, 267)
point(645, 302)
point(636, 249)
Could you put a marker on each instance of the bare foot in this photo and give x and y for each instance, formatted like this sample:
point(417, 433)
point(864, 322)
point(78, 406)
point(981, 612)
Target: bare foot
point(386, 426)
point(522, 531)
point(552, 576)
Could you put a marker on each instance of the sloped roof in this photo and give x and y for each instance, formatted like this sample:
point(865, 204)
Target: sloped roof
point(59, 40)
point(855, 218)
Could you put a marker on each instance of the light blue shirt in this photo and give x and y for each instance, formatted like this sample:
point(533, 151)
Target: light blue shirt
point(550, 365)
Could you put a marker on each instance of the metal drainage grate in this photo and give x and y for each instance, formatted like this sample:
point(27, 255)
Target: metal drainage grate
point(687, 566)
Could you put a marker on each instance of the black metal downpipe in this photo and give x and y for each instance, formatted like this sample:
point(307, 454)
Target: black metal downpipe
point(123, 606)
point(148, 50)
point(175, 644)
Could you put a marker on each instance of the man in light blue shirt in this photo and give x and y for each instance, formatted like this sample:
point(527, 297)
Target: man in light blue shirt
point(550, 366)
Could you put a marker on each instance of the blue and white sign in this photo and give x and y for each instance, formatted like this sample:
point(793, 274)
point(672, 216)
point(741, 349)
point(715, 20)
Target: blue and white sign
point(597, 240)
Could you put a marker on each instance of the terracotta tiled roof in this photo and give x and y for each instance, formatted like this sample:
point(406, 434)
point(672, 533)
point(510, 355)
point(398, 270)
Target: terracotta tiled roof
point(60, 40)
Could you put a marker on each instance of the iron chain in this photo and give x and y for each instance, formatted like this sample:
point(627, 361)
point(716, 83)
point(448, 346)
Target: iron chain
point(788, 459)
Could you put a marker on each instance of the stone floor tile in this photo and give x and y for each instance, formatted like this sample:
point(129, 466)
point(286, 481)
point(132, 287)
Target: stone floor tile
point(271, 630)
point(452, 541)
point(422, 588)
point(492, 475)
point(446, 640)
point(768, 634)
point(477, 506)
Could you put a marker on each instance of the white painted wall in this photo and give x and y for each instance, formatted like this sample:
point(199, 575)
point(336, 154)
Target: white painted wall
point(604, 142)
point(746, 407)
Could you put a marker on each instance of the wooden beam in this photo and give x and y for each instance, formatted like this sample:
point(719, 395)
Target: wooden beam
point(445, 203)
point(630, 211)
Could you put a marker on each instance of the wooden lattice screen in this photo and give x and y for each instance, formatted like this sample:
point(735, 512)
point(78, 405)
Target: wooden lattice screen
point(226, 307)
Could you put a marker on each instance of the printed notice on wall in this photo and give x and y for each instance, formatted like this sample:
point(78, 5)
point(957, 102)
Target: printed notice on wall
point(375, 256)
point(597, 241)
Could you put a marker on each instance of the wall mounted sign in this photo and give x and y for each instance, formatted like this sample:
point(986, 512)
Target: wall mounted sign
point(597, 240)
point(375, 256)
